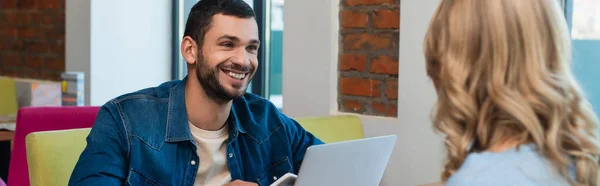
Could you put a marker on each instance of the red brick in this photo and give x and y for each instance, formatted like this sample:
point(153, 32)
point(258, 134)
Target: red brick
point(356, 62)
point(8, 4)
point(48, 19)
point(50, 75)
point(23, 21)
point(10, 60)
point(366, 41)
point(379, 107)
point(391, 89)
point(60, 17)
point(14, 45)
point(53, 33)
point(24, 18)
point(27, 32)
point(354, 19)
point(49, 4)
point(58, 48)
point(36, 18)
point(368, 2)
point(27, 4)
point(34, 62)
point(386, 19)
point(55, 64)
point(10, 72)
point(38, 47)
point(387, 110)
point(352, 105)
point(41, 33)
point(30, 73)
point(384, 65)
point(9, 18)
point(11, 32)
point(359, 87)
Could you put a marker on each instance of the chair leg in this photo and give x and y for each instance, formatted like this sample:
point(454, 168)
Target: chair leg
point(4, 159)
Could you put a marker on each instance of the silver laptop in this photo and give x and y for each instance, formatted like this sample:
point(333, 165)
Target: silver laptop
point(349, 163)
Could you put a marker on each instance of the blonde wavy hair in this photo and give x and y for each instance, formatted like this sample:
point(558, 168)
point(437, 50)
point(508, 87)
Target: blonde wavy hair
point(501, 69)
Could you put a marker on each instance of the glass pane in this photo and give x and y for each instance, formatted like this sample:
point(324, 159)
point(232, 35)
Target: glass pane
point(586, 20)
point(250, 2)
point(586, 44)
point(275, 52)
point(182, 15)
point(249, 88)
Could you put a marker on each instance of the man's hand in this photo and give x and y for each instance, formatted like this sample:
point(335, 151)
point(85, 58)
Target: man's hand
point(241, 183)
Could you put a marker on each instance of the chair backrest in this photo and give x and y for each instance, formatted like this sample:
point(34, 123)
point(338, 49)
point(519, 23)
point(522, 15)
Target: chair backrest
point(8, 98)
point(52, 155)
point(334, 128)
point(37, 119)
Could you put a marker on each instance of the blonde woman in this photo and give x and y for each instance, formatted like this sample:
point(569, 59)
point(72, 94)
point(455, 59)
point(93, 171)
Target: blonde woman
point(507, 102)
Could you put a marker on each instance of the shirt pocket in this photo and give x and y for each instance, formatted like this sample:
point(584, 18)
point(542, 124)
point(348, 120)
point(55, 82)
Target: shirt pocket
point(135, 179)
point(274, 171)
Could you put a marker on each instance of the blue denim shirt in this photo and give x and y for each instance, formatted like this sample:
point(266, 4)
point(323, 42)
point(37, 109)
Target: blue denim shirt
point(143, 138)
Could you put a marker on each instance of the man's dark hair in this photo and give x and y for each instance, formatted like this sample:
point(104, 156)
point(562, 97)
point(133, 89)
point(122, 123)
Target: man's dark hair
point(203, 11)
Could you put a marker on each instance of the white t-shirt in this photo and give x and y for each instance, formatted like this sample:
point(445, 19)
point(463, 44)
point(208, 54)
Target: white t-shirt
point(212, 147)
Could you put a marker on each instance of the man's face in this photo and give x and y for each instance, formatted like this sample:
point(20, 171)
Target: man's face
point(228, 57)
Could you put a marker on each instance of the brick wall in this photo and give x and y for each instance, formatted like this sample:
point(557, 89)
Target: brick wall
point(32, 38)
point(368, 59)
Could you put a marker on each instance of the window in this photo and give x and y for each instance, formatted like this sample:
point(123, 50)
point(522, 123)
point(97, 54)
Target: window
point(269, 16)
point(583, 17)
point(585, 20)
point(181, 9)
point(275, 52)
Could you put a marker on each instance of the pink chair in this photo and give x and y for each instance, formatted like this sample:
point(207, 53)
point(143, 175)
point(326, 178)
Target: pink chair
point(36, 119)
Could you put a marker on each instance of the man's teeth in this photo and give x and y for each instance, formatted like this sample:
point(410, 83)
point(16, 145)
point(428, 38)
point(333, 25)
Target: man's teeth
point(236, 75)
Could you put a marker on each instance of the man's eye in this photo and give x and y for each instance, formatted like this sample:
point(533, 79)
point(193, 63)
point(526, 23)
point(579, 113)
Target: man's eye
point(252, 48)
point(227, 44)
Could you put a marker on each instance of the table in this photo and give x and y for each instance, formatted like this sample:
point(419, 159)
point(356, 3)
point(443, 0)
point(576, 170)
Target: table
point(5, 149)
point(6, 135)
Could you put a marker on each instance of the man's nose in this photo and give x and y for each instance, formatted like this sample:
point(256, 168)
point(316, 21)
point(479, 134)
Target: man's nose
point(241, 57)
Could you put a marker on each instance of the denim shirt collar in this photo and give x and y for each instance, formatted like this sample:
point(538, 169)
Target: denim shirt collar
point(177, 120)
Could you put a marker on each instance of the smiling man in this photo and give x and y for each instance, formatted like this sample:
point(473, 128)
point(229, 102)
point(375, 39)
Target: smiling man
point(204, 129)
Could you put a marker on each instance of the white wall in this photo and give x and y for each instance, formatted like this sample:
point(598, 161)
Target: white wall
point(122, 46)
point(131, 46)
point(310, 84)
point(310, 49)
point(77, 36)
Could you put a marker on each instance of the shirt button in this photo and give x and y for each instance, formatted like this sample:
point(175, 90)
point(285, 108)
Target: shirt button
point(230, 155)
point(193, 162)
point(274, 177)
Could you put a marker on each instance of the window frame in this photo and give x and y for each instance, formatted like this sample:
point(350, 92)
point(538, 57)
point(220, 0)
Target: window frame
point(568, 10)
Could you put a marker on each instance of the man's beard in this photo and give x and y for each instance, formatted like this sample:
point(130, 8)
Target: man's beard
point(209, 80)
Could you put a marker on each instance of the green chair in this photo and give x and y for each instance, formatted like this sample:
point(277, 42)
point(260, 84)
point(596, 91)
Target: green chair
point(8, 100)
point(52, 155)
point(334, 128)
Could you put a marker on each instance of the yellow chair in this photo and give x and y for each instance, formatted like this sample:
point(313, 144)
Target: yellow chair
point(52, 155)
point(331, 129)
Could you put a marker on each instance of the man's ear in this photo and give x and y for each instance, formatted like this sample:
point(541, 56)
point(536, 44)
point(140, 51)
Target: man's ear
point(189, 50)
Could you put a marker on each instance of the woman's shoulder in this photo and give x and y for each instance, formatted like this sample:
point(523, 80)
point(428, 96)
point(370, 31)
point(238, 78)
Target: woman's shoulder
point(521, 166)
